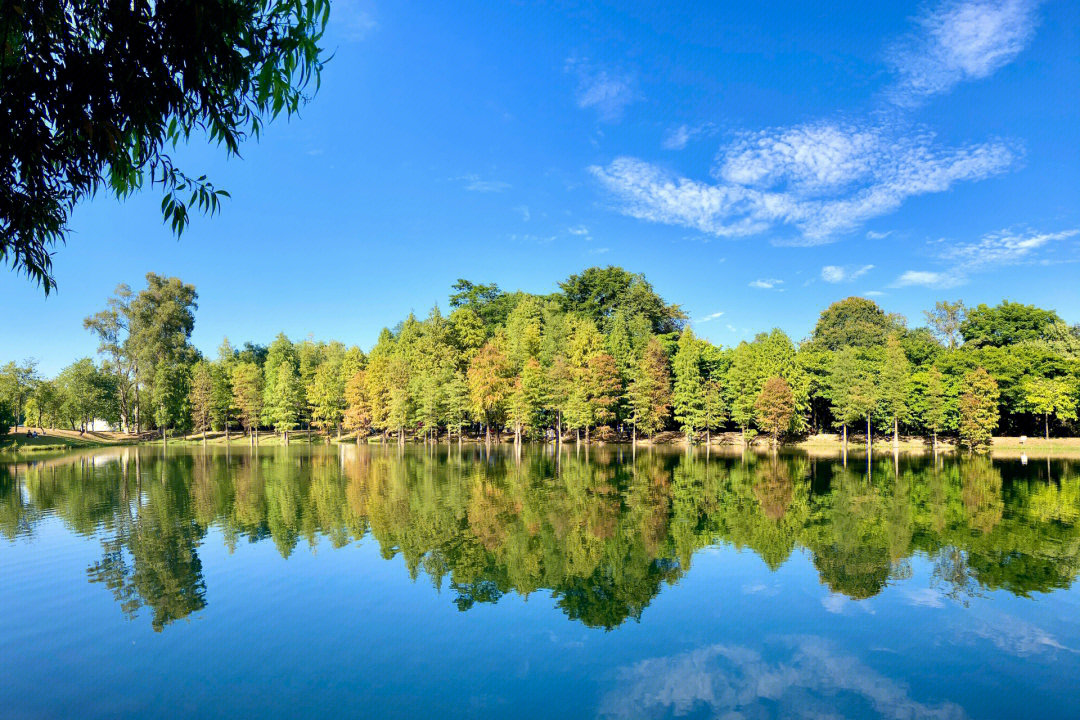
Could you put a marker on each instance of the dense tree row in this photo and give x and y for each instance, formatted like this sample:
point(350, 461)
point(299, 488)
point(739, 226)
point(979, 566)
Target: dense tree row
point(604, 356)
point(602, 533)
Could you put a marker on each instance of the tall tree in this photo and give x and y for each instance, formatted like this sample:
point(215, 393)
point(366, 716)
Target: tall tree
point(979, 413)
point(650, 390)
point(327, 396)
point(688, 394)
point(17, 381)
point(946, 319)
point(895, 387)
point(201, 399)
point(602, 387)
point(1051, 396)
point(247, 382)
point(285, 402)
point(489, 385)
point(775, 406)
point(93, 94)
point(357, 405)
point(713, 412)
point(172, 390)
point(852, 322)
point(934, 416)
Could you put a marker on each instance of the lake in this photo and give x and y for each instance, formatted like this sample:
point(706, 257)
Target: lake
point(380, 582)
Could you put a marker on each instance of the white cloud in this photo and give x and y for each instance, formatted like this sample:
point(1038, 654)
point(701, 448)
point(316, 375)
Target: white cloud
point(837, 274)
point(677, 138)
point(606, 92)
point(355, 19)
point(871, 235)
point(711, 317)
point(599, 251)
point(873, 293)
point(767, 284)
point(1002, 248)
point(926, 279)
point(796, 677)
point(578, 230)
point(524, 210)
point(474, 183)
point(958, 41)
point(993, 250)
point(821, 180)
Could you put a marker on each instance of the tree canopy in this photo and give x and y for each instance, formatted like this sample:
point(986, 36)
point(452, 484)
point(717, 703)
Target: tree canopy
point(94, 95)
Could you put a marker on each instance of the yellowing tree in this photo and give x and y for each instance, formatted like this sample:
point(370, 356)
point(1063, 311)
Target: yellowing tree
point(775, 405)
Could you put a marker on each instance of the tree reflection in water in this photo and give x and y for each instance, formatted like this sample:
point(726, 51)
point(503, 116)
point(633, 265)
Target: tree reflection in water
point(602, 531)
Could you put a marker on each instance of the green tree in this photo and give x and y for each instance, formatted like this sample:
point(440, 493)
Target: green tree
point(650, 390)
point(775, 406)
point(327, 396)
point(935, 411)
point(599, 293)
point(1007, 324)
point(247, 386)
point(946, 320)
point(713, 411)
point(149, 76)
point(456, 403)
point(688, 393)
point(172, 389)
point(16, 384)
point(895, 385)
point(285, 402)
point(978, 408)
point(529, 398)
point(1051, 396)
point(201, 399)
point(742, 386)
point(852, 322)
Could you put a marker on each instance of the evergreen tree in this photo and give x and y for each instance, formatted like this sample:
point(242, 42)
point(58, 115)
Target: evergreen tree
point(286, 400)
point(456, 403)
point(978, 408)
point(357, 414)
point(713, 411)
point(688, 394)
point(650, 390)
point(895, 386)
point(327, 396)
point(202, 397)
point(247, 382)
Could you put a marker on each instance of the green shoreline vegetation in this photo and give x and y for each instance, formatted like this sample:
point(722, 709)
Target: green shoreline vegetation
point(603, 359)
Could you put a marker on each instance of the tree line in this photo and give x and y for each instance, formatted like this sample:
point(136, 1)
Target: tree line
point(604, 357)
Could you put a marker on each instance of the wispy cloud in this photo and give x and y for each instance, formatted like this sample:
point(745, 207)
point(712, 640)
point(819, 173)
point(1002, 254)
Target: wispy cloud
point(474, 183)
point(710, 317)
point(798, 677)
point(354, 19)
point(826, 178)
point(993, 250)
point(578, 230)
point(606, 92)
point(958, 41)
point(599, 251)
point(677, 138)
point(847, 273)
point(871, 235)
point(767, 284)
point(820, 180)
point(524, 210)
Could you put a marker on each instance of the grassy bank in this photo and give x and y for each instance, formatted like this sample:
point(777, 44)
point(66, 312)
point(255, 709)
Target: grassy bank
point(53, 440)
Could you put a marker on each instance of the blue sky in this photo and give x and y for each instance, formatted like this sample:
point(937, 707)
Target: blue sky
point(756, 163)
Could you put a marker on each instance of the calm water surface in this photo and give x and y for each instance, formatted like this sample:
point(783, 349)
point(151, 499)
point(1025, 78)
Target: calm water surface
point(357, 582)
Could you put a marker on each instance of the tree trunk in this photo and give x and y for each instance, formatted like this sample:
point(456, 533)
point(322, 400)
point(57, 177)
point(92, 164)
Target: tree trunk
point(588, 434)
point(935, 441)
point(577, 436)
point(895, 432)
point(633, 435)
point(869, 437)
point(1046, 417)
point(843, 436)
point(708, 437)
